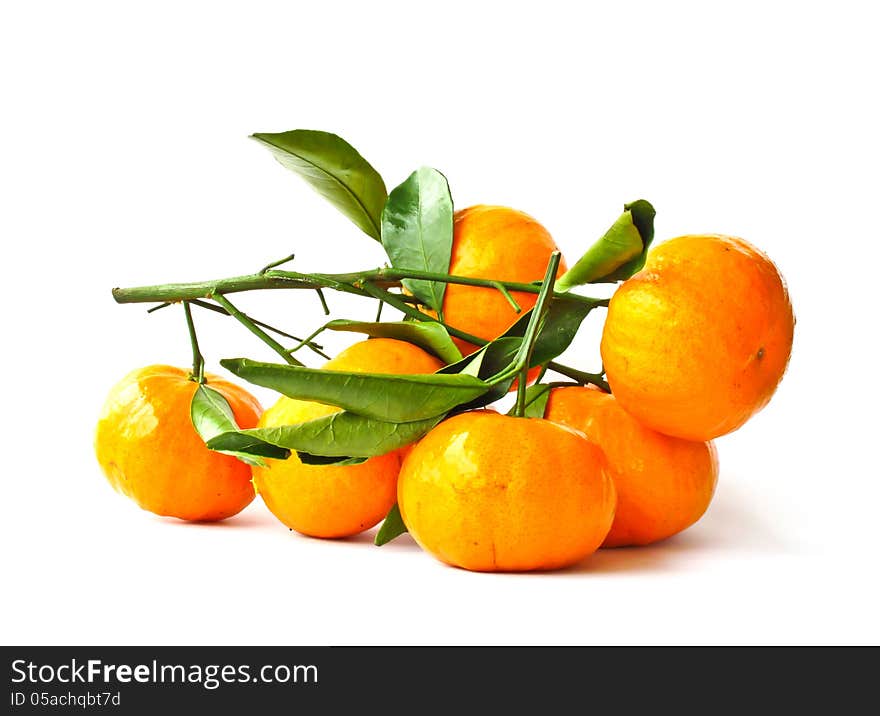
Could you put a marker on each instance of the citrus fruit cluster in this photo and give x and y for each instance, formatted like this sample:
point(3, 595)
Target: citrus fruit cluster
point(405, 424)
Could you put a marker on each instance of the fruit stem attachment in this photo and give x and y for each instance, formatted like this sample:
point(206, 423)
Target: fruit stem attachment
point(255, 329)
point(198, 368)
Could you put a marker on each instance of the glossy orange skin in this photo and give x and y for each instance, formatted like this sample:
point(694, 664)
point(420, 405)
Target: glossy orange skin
point(494, 242)
point(338, 501)
point(384, 355)
point(149, 450)
point(696, 342)
point(664, 484)
point(492, 493)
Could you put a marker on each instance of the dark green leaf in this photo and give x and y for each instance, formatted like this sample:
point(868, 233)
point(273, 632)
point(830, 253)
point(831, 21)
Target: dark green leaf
point(336, 171)
point(392, 398)
point(391, 528)
point(211, 416)
point(536, 401)
point(417, 231)
point(564, 317)
point(239, 442)
point(643, 214)
point(341, 434)
point(487, 362)
point(428, 335)
point(619, 253)
point(309, 459)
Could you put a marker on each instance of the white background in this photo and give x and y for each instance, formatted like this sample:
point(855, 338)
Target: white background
point(124, 160)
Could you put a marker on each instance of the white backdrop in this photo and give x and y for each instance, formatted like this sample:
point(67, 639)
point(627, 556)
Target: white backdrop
point(125, 161)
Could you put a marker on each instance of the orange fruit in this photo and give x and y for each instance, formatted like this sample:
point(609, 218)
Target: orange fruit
point(493, 242)
point(384, 355)
point(696, 342)
point(489, 492)
point(149, 450)
point(337, 500)
point(664, 484)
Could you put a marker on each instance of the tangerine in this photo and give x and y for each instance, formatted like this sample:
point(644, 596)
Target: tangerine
point(337, 500)
point(493, 242)
point(149, 450)
point(664, 484)
point(696, 342)
point(490, 492)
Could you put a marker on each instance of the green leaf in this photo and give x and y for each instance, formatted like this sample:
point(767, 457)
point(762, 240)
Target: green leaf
point(211, 416)
point(238, 442)
point(341, 434)
point(391, 528)
point(385, 397)
point(536, 401)
point(417, 231)
point(488, 360)
point(643, 214)
point(336, 171)
point(428, 335)
point(308, 459)
point(564, 317)
point(619, 253)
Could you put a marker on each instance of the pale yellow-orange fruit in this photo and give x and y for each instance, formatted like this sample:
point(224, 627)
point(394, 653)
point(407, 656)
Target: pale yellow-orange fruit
point(328, 500)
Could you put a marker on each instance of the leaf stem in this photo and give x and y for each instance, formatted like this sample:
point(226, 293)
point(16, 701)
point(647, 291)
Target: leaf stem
point(582, 377)
point(323, 301)
point(305, 341)
point(373, 283)
point(348, 282)
point(314, 347)
point(541, 374)
point(393, 276)
point(523, 356)
point(198, 367)
point(171, 292)
point(510, 299)
point(395, 301)
point(256, 330)
point(521, 387)
point(539, 314)
point(273, 264)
